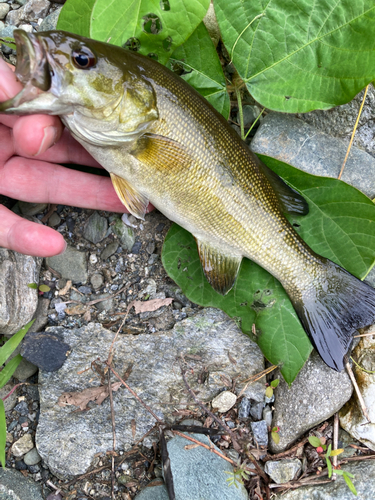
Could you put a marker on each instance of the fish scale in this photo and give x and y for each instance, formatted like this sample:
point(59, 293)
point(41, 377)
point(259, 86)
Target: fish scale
point(162, 142)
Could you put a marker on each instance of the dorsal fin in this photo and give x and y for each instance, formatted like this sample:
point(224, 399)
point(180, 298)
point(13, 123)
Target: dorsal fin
point(290, 200)
point(134, 201)
point(219, 268)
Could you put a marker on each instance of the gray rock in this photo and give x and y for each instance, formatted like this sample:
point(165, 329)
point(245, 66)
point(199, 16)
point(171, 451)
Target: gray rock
point(32, 457)
point(33, 10)
point(7, 31)
point(40, 315)
point(125, 234)
point(97, 281)
point(267, 415)
point(344, 442)
point(54, 220)
point(224, 401)
point(15, 486)
point(10, 401)
point(364, 483)
point(72, 265)
point(198, 473)
point(158, 492)
point(295, 142)
point(260, 432)
point(109, 250)
point(50, 22)
point(105, 305)
point(315, 395)
point(14, 18)
point(18, 302)
point(4, 9)
point(339, 121)
point(25, 369)
point(351, 416)
point(46, 351)
point(283, 471)
point(256, 411)
point(31, 209)
point(22, 445)
point(68, 440)
point(95, 228)
point(244, 408)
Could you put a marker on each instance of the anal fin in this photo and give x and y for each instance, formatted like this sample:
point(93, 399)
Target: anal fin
point(219, 268)
point(134, 201)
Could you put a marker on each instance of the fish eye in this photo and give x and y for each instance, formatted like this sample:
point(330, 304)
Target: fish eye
point(83, 58)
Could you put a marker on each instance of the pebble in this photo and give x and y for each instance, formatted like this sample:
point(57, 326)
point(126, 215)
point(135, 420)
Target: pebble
point(85, 289)
point(97, 281)
point(125, 234)
point(22, 408)
point(256, 410)
point(95, 228)
point(224, 401)
point(283, 471)
point(244, 408)
point(109, 250)
point(105, 305)
point(4, 9)
point(54, 220)
point(32, 457)
point(30, 209)
point(72, 265)
point(50, 22)
point(93, 259)
point(22, 446)
point(260, 432)
point(45, 350)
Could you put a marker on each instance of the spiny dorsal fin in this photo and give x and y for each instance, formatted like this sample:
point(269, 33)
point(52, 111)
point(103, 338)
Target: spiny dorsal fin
point(134, 201)
point(219, 268)
point(290, 200)
point(161, 152)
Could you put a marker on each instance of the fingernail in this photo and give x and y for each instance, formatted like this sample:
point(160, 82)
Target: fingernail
point(49, 139)
point(65, 247)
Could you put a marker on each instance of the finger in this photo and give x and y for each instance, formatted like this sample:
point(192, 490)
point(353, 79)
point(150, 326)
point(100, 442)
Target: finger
point(28, 237)
point(33, 135)
point(41, 182)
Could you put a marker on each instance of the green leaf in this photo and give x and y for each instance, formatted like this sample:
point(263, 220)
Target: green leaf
point(340, 226)
point(44, 288)
point(34, 286)
point(9, 369)
point(301, 55)
point(13, 342)
point(328, 454)
point(314, 441)
point(75, 16)
point(275, 383)
point(147, 23)
point(329, 467)
point(349, 483)
point(275, 437)
point(269, 392)
point(8, 41)
point(201, 67)
point(334, 453)
point(3, 433)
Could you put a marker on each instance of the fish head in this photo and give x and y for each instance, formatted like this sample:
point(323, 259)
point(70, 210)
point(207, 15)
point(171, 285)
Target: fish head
point(99, 90)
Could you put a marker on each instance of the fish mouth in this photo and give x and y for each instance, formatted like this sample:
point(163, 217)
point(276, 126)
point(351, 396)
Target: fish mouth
point(32, 70)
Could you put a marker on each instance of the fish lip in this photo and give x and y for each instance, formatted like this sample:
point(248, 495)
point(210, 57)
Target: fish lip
point(32, 62)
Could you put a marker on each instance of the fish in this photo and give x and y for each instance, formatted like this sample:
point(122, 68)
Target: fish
point(163, 143)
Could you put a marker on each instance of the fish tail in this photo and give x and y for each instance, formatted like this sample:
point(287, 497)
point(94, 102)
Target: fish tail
point(331, 311)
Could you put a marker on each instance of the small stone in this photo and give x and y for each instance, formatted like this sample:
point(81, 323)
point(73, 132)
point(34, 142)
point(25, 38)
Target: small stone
point(50, 22)
point(30, 209)
point(93, 259)
point(35, 9)
point(283, 471)
point(72, 265)
point(256, 410)
point(260, 432)
point(22, 446)
point(244, 408)
point(136, 248)
point(32, 457)
point(125, 234)
point(109, 250)
point(44, 350)
point(150, 248)
point(85, 289)
point(157, 492)
point(95, 228)
point(22, 408)
point(4, 9)
point(9, 438)
point(54, 220)
point(14, 18)
point(224, 401)
point(267, 415)
point(97, 281)
point(105, 305)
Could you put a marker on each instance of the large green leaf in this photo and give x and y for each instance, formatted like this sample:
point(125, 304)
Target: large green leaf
point(7, 349)
point(201, 67)
point(340, 226)
point(301, 55)
point(75, 16)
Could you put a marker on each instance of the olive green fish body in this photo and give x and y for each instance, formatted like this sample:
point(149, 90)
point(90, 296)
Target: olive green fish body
point(163, 143)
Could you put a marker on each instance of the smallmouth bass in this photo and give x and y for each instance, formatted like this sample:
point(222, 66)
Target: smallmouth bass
point(163, 143)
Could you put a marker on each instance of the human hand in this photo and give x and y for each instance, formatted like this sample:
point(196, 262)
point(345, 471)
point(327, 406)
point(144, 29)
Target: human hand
point(30, 149)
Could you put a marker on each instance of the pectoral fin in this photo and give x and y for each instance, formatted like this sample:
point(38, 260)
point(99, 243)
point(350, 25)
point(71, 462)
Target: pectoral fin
point(290, 200)
point(220, 269)
point(161, 152)
point(134, 201)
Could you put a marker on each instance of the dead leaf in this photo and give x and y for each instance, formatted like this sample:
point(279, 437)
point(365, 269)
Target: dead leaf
point(149, 305)
point(78, 309)
point(134, 427)
point(191, 446)
point(82, 398)
point(66, 288)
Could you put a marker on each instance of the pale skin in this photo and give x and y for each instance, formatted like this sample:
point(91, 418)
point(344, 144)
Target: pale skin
point(31, 148)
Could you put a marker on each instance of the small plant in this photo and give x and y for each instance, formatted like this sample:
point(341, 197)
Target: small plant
point(275, 435)
point(239, 475)
point(41, 288)
point(319, 444)
point(5, 374)
point(271, 387)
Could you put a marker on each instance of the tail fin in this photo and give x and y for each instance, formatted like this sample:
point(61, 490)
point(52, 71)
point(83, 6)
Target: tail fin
point(334, 311)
